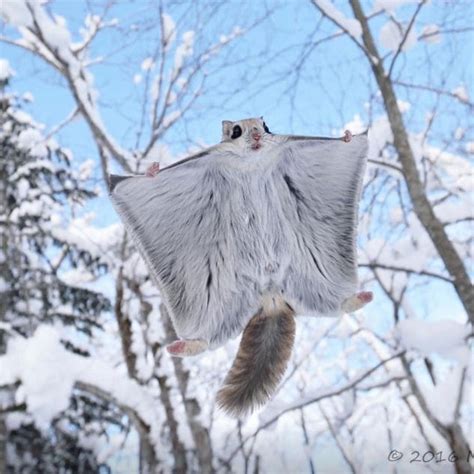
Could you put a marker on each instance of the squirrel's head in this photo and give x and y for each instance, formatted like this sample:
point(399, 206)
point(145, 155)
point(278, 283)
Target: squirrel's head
point(247, 134)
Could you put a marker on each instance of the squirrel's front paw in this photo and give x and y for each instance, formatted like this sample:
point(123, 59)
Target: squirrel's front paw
point(152, 170)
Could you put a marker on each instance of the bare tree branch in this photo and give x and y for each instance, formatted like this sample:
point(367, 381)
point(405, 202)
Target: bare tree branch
point(435, 90)
point(382, 266)
point(405, 37)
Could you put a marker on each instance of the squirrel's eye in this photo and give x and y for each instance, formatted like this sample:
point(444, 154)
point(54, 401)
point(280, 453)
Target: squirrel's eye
point(266, 128)
point(236, 132)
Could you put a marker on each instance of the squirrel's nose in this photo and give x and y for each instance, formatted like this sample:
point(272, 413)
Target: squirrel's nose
point(256, 135)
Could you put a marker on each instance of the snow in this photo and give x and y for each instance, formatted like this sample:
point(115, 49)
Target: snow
point(28, 138)
point(183, 51)
point(171, 98)
point(412, 249)
point(22, 187)
point(456, 210)
point(42, 362)
point(403, 105)
point(444, 337)
point(380, 133)
point(431, 34)
point(155, 88)
point(169, 30)
point(461, 93)
point(391, 5)
point(6, 70)
point(26, 169)
point(237, 31)
point(28, 97)
point(355, 126)
point(85, 169)
point(81, 233)
point(57, 38)
point(273, 411)
point(38, 148)
point(442, 397)
point(4, 326)
point(35, 207)
point(459, 133)
point(22, 117)
point(457, 170)
point(172, 117)
point(349, 24)
point(391, 36)
point(160, 153)
point(16, 12)
point(148, 64)
point(92, 24)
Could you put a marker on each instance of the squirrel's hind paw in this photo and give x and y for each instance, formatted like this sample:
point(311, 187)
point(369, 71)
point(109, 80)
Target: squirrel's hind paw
point(187, 347)
point(357, 301)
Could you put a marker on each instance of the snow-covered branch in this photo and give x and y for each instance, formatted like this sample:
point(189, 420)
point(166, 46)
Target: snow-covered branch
point(350, 26)
point(49, 38)
point(41, 361)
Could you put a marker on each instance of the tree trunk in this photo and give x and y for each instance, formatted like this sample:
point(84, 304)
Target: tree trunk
point(3, 445)
point(421, 204)
point(452, 433)
point(200, 434)
point(178, 449)
point(3, 309)
point(147, 458)
point(461, 449)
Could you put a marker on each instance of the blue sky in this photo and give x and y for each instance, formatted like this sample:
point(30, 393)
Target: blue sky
point(333, 86)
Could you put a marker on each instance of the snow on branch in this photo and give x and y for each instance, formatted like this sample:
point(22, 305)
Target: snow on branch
point(48, 37)
point(41, 362)
point(446, 337)
point(6, 70)
point(349, 25)
point(92, 25)
point(177, 64)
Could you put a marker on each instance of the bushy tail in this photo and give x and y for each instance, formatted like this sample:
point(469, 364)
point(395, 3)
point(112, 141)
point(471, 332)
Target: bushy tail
point(261, 360)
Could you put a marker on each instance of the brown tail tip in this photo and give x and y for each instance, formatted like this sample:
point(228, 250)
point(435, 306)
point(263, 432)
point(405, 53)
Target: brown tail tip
point(261, 361)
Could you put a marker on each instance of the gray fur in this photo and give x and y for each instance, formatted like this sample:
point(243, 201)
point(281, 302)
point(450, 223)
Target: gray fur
point(221, 231)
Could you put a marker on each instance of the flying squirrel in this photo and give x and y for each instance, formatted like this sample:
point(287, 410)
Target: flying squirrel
point(245, 235)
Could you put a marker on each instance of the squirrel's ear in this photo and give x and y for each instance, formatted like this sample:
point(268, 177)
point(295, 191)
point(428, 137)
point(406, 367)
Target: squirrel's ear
point(226, 129)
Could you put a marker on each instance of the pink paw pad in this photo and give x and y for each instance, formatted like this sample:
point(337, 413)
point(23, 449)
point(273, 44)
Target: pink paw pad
point(365, 296)
point(176, 347)
point(153, 170)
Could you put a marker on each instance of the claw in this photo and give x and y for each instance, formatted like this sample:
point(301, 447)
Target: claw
point(347, 136)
